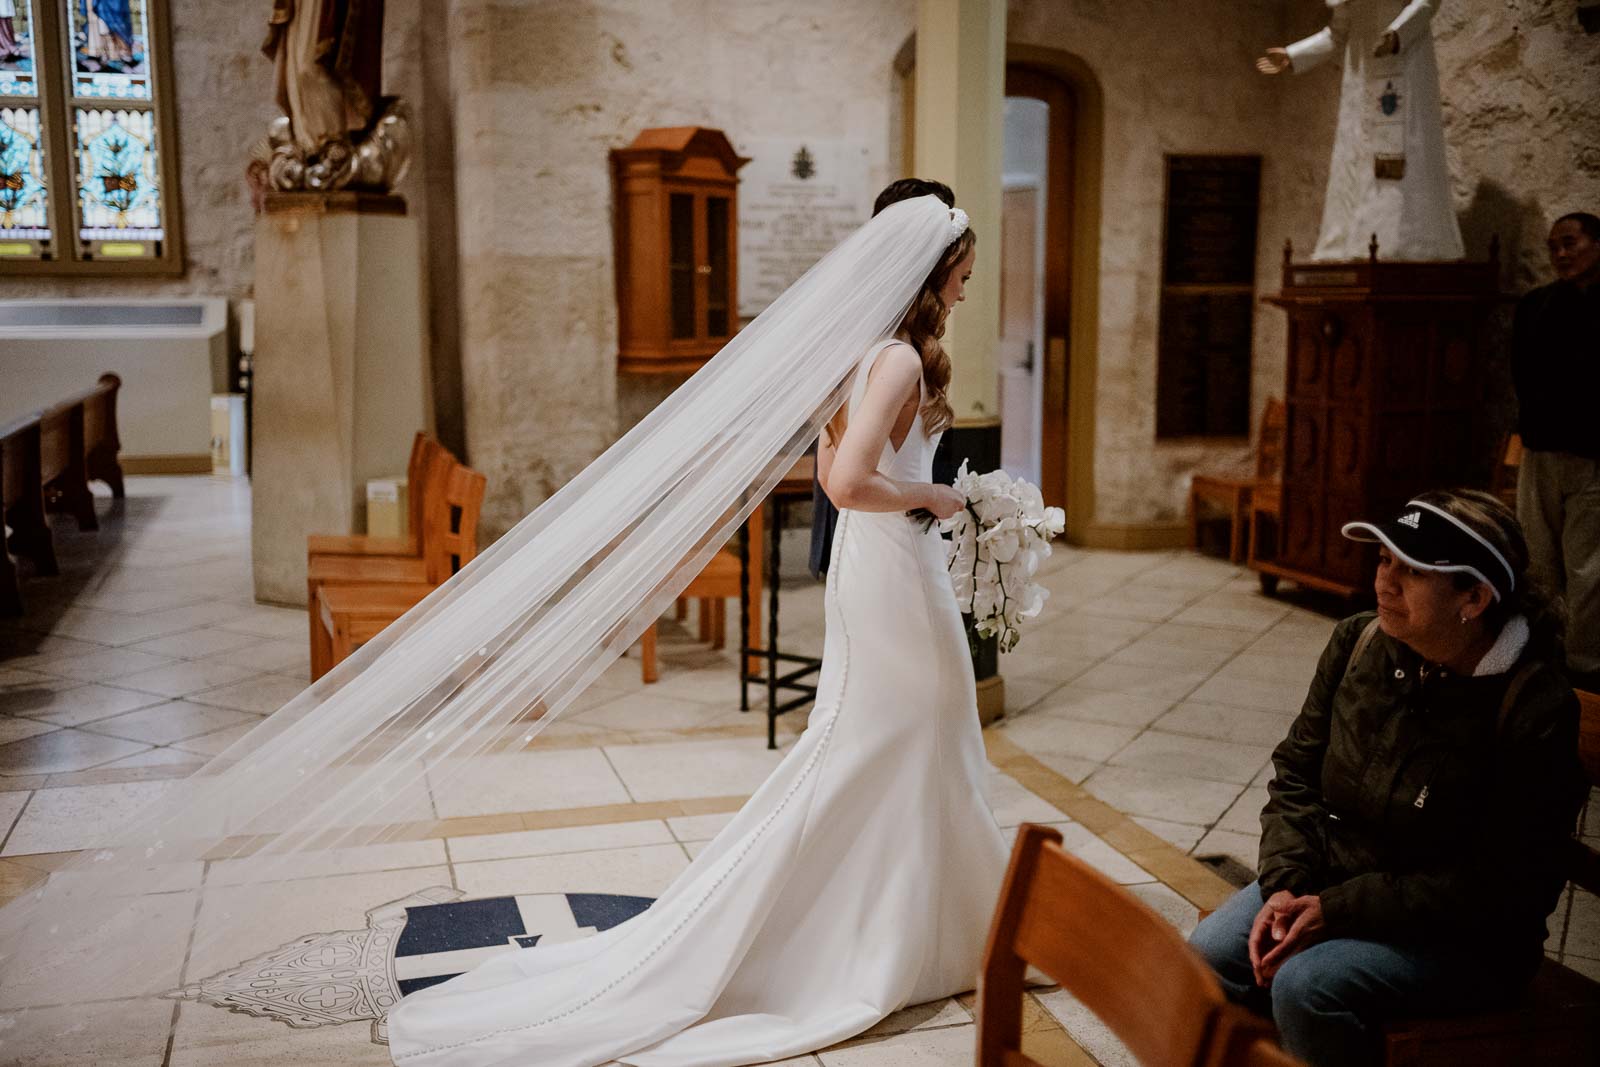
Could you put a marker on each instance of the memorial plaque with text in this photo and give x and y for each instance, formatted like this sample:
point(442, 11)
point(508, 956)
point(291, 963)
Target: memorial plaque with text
point(797, 199)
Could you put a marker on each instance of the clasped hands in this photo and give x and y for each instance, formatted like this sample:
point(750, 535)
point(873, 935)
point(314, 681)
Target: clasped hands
point(1284, 925)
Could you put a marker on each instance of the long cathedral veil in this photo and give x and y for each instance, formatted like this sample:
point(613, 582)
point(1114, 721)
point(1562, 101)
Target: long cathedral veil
point(484, 663)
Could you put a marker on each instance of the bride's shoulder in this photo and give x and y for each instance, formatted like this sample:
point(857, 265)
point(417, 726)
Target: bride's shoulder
point(898, 358)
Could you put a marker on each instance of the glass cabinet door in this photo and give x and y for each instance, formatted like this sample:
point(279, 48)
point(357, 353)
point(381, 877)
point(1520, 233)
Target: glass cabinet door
point(719, 310)
point(681, 265)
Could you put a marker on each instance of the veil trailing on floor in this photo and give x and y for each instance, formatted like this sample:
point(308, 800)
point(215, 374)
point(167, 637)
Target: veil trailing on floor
point(483, 664)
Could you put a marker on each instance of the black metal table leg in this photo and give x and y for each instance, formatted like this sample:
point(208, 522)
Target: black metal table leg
point(744, 618)
point(775, 541)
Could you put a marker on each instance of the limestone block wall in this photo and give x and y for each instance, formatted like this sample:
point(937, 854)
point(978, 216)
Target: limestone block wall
point(542, 91)
point(1174, 79)
point(1522, 121)
point(1521, 95)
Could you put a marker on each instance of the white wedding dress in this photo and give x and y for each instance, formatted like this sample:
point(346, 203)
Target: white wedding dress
point(858, 880)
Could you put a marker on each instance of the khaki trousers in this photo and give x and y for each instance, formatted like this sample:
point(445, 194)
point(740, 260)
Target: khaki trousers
point(1558, 503)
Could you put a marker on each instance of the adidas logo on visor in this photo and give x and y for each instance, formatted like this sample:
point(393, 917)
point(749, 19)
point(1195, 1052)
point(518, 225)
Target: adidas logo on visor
point(1411, 519)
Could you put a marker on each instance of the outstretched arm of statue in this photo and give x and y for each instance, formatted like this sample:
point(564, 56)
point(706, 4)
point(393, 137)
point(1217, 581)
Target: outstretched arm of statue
point(1275, 61)
point(1412, 24)
point(1311, 52)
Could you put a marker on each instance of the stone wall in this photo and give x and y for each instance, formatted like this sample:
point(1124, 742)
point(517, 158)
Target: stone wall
point(1171, 83)
point(1521, 95)
point(518, 101)
point(542, 91)
point(1522, 120)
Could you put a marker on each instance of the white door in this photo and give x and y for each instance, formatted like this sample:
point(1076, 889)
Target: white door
point(1019, 353)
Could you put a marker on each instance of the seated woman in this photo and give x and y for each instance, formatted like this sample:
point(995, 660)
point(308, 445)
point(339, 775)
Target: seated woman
point(1411, 846)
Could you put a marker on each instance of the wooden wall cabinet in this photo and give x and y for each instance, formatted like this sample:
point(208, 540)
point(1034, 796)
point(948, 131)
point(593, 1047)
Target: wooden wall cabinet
point(1385, 400)
point(677, 247)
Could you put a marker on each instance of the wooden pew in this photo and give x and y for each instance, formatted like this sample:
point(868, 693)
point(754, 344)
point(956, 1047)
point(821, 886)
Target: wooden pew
point(46, 462)
point(63, 463)
point(22, 498)
point(101, 442)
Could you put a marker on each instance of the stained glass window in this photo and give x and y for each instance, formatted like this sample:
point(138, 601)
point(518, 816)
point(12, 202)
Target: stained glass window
point(24, 183)
point(110, 50)
point(119, 194)
point(17, 76)
point(24, 210)
point(84, 121)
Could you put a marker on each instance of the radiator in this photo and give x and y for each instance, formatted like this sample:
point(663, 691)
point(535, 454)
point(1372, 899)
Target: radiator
point(171, 354)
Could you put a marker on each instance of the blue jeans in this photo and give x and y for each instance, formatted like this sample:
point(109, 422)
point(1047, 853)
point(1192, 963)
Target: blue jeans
point(1330, 1000)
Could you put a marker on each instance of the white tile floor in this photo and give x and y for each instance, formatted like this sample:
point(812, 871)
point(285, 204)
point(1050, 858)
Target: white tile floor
point(1160, 681)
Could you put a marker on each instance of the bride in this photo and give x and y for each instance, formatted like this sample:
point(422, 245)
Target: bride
point(861, 876)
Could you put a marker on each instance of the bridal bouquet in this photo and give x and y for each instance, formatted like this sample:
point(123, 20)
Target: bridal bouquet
point(996, 545)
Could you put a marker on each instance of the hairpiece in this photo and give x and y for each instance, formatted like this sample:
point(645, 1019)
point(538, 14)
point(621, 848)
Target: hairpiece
point(958, 223)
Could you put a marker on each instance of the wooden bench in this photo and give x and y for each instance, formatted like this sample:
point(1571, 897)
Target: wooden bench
point(453, 497)
point(47, 460)
point(1558, 1020)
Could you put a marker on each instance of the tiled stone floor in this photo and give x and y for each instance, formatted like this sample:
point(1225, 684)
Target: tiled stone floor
point(1142, 709)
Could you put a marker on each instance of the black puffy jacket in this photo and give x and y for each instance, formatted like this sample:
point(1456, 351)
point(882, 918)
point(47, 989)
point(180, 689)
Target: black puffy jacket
point(1414, 810)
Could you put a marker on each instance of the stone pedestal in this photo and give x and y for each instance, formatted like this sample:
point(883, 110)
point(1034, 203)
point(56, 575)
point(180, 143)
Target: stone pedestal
point(340, 374)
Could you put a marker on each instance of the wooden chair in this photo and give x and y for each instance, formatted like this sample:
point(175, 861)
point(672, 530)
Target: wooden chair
point(1558, 1021)
point(1262, 1052)
point(1125, 963)
point(717, 582)
point(352, 615)
point(449, 538)
point(423, 450)
point(1235, 492)
point(1503, 482)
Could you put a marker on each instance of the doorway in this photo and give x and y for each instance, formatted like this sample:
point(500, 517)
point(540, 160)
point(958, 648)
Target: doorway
point(1067, 279)
point(1025, 190)
point(1034, 361)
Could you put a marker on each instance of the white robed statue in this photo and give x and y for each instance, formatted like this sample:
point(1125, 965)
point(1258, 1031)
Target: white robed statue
point(1388, 176)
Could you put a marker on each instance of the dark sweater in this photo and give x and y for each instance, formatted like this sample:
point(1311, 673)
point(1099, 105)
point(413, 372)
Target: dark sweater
point(1555, 361)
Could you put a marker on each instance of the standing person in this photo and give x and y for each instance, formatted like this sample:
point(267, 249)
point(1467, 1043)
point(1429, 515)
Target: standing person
point(861, 876)
point(1555, 362)
point(824, 515)
point(1421, 806)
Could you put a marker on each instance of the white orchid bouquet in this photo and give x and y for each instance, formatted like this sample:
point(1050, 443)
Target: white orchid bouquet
point(997, 542)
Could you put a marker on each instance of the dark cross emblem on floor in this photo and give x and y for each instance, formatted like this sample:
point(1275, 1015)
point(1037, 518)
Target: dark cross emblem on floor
point(347, 976)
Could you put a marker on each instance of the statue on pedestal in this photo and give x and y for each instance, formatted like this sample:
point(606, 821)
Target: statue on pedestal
point(1388, 180)
point(337, 131)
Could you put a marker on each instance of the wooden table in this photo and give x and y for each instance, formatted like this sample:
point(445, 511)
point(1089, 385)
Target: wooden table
point(796, 485)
